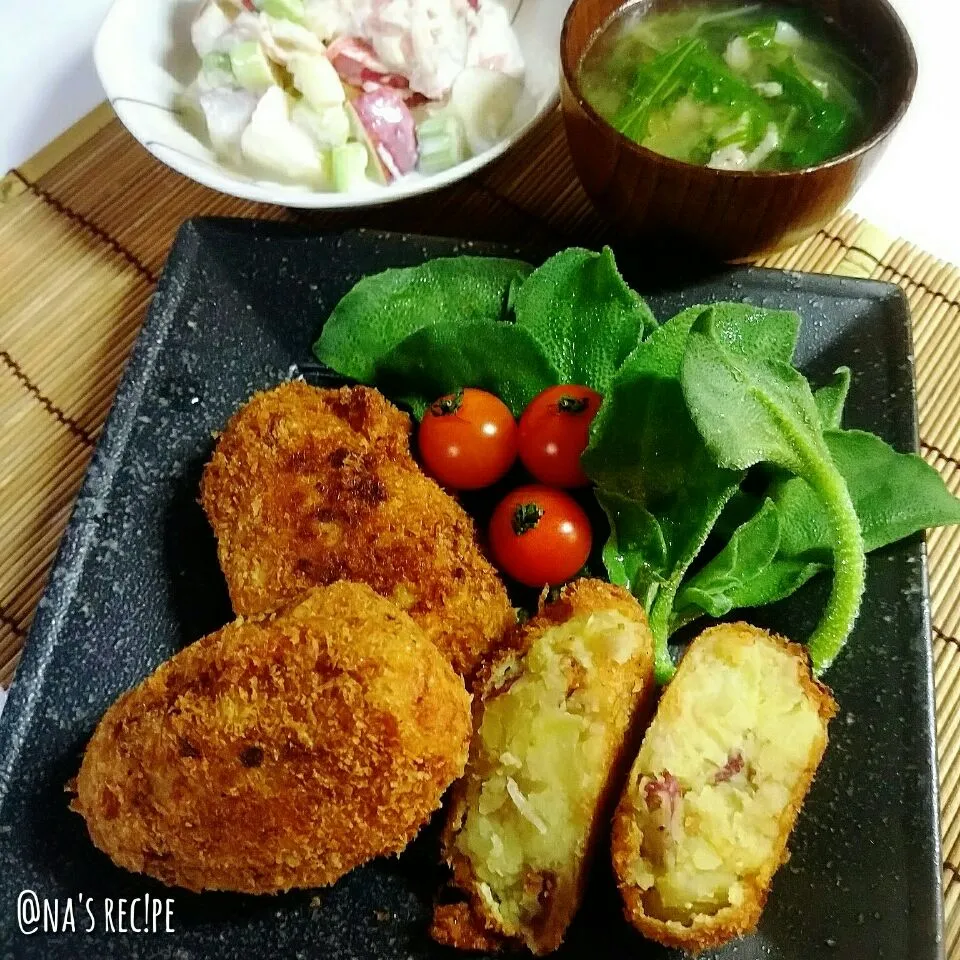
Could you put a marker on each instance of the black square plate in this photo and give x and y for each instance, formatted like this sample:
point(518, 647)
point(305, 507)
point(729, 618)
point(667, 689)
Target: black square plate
point(136, 579)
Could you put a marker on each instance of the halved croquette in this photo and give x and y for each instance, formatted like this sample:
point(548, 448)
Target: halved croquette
point(555, 721)
point(714, 792)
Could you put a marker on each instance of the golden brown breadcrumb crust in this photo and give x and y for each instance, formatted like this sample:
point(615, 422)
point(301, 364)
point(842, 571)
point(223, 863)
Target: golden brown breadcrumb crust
point(279, 752)
point(469, 925)
point(308, 486)
point(713, 930)
point(458, 925)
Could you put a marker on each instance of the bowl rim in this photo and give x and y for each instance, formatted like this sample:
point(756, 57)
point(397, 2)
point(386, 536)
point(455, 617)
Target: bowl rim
point(572, 82)
point(221, 178)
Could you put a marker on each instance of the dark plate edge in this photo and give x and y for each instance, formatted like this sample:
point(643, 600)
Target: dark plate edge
point(208, 227)
point(929, 703)
point(83, 522)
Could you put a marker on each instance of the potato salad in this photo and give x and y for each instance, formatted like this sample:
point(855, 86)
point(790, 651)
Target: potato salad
point(342, 94)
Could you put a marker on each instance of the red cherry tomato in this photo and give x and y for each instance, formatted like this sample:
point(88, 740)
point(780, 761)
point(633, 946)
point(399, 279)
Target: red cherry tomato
point(539, 536)
point(468, 439)
point(554, 431)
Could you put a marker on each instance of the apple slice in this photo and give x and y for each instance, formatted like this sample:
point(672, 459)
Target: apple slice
point(383, 122)
point(358, 65)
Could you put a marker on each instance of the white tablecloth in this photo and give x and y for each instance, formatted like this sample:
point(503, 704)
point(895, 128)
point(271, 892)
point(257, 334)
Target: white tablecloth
point(47, 82)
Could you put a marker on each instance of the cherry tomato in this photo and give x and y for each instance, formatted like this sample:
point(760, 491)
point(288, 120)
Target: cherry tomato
point(468, 439)
point(554, 431)
point(539, 535)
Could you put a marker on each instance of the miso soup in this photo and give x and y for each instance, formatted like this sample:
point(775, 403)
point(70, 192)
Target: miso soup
point(757, 87)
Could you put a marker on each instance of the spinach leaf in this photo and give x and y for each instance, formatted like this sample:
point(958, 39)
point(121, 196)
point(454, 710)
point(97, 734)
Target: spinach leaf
point(384, 308)
point(831, 398)
point(758, 409)
point(585, 317)
point(659, 483)
point(894, 494)
point(500, 357)
point(746, 557)
point(636, 551)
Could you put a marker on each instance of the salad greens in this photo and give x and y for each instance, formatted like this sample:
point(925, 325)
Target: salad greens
point(423, 331)
point(753, 408)
point(588, 320)
point(831, 397)
point(383, 309)
point(646, 448)
point(727, 481)
point(443, 357)
point(894, 494)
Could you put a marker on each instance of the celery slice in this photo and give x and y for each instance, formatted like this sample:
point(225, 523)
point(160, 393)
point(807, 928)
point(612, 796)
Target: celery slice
point(349, 164)
point(440, 142)
point(251, 67)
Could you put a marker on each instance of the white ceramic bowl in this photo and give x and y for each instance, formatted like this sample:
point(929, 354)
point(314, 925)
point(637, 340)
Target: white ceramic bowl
point(145, 59)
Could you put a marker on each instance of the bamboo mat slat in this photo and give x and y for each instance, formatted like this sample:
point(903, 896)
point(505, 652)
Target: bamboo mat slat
point(86, 225)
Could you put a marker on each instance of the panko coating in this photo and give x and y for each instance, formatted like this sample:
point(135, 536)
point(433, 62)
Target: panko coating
point(280, 752)
point(556, 723)
point(714, 792)
point(308, 486)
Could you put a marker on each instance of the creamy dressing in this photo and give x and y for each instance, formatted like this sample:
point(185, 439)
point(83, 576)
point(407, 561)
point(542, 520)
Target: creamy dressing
point(288, 88)
point(428, 41)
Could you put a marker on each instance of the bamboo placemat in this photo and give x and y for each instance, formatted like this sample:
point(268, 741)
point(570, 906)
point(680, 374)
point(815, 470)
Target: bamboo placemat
point(86, 225)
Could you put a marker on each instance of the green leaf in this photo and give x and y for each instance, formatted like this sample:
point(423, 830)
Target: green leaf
point(831, 398)
point(749, 409)
point(636, 552)
point(645, 448)
point(643, 442)
point(754, 409)
point(660, 485)
point(586, 318)
point(895, 495)
point(755, 331)
point(499, 357)
point(780, 578)
point(746, 557)
point(383, 309)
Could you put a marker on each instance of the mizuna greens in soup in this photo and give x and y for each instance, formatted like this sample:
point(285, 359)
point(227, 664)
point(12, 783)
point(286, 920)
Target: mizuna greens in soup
point(757, 87)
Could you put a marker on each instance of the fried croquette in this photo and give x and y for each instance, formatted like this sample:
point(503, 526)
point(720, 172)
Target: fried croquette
point(555, 720)
point(714, 792)
point(308, 486)
point(279, 752)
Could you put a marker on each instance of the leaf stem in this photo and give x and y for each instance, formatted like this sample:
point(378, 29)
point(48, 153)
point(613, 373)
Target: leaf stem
point(813, 462)
point(849, 565)
point(663, 665)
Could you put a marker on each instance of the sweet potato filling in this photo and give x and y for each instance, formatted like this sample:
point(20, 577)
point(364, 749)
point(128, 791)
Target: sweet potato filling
point(539, 763)
point(717, 778)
